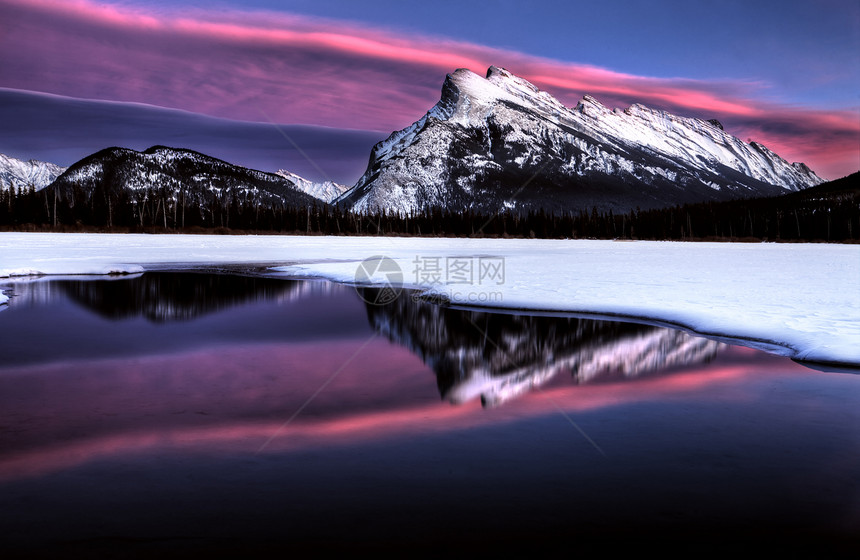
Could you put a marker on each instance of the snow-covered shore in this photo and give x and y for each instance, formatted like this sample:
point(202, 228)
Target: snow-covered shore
point(803, 297)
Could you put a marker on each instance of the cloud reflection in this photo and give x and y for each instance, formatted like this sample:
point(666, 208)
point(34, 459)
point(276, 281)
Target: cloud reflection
point(221, 414)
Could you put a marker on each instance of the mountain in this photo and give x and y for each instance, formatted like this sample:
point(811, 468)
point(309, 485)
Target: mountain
point(22, 174)
point(326, 191)
point(166, 181)
point(498, 357)
point(499, 142)
point(825, 212)
point(846, 188)
point(194, 174)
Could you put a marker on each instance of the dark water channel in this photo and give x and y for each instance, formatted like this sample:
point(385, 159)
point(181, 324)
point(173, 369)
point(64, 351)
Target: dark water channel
point(224, 414)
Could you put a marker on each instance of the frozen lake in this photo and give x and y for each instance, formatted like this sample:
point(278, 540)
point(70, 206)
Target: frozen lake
point(800, 300)
point(170, 412)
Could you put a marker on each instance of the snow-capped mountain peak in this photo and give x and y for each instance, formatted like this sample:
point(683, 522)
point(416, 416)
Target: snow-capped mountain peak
point(22, 174)
point(487, 136)
point(325, 191)
point(590, 106)
point(522, 89)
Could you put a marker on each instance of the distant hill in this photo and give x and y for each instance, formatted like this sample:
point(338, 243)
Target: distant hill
point(326, 191)
point(169, 186)
point(22, 174)
point(825, 212)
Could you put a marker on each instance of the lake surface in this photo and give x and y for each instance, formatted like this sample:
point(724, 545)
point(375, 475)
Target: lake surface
point(183, 413)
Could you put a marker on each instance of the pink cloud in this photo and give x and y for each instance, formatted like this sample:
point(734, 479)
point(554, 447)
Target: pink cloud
point(262, 66)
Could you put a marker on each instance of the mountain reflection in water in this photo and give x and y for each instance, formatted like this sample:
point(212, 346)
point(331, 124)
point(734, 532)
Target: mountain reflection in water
point(173, 296)
point(500, 356)
point(474, 354)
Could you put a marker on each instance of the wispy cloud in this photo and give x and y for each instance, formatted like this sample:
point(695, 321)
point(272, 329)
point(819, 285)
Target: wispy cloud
point(243, 65)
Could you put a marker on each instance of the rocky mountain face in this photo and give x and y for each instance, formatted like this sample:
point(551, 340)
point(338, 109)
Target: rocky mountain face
point(22, 174)
point(499, 142)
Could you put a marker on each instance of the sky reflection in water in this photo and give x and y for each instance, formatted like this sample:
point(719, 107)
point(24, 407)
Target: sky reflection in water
point(274, 404)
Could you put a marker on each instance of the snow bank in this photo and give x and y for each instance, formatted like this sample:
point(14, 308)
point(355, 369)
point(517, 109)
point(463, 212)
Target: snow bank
point(804, 297)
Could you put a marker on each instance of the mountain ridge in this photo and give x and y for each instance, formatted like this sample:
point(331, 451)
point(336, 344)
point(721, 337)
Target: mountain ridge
point(42, 174)
point(326, 191)
point(498, 142)
point(490, 144)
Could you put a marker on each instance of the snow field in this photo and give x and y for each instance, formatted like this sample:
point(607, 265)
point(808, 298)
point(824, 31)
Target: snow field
point(803, 297)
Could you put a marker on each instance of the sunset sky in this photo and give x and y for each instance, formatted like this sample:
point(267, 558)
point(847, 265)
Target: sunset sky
point(785, 73)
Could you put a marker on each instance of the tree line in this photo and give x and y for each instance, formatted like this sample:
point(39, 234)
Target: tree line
point(828, 214)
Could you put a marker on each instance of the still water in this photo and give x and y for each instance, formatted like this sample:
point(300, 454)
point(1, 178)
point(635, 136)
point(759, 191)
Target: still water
point(228, 413)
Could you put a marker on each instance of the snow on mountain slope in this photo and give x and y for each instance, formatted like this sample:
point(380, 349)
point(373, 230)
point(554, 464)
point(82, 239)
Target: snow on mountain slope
point(500, 142)
point(325, 191)
point(199, 178)
point(22, 174)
